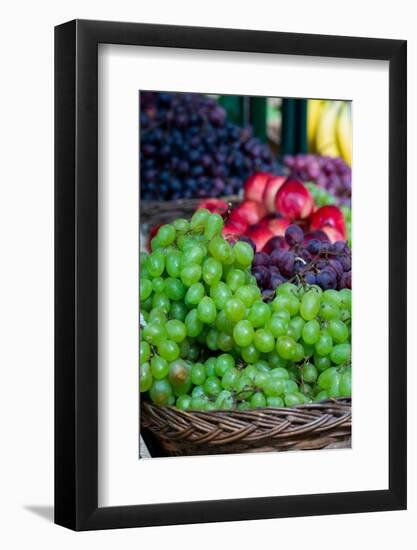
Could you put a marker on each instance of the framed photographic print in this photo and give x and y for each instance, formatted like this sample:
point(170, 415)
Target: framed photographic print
point(230, 338)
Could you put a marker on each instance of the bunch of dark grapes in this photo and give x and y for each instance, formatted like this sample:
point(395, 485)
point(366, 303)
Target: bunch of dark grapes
point(303, 259)
point(330, 173)
point(188, 148)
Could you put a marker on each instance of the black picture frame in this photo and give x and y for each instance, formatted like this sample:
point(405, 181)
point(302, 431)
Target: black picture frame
point(76, 271)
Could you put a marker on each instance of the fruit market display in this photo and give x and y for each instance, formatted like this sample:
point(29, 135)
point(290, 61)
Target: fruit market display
point(188, 149)
point(271, 203)
point(209, 340)
point(329, 128)
point(329, 174)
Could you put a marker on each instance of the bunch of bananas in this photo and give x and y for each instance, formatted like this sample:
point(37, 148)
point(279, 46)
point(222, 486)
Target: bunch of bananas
point(329, 128)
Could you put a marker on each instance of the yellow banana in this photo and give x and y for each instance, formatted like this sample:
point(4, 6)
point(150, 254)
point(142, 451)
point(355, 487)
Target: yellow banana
point(344, 132)
point(314, 108)
point(326, 143)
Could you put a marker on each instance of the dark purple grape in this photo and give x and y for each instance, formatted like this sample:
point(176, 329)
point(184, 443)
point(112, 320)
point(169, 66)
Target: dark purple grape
point(326, 279)
point(275, 281)
point(287, 263)
point(346, 262)
point(310, 278)
point(294, 235)
point(249, 241)
point(262, 276)
point(314, 247)
point(274, 243)
point(337, 266)
point(261, 258)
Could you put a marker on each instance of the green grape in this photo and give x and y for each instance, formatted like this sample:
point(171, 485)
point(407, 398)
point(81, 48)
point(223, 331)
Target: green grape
point(243, 333)
point(224, 362)
point(220, 249)
point(244, 387)
point(286, 347)
point(157, 315)
point(309, 372)
point(264, 341)
point(174, 289)
point(295, 328)
point(298, 354)
point(212, 386)
point(155, 244)
point(279, 372)
point(332, 296)
point(184, 349)
point(250, 372)
point(282, 314)
point(292, 399)
point(324, 344)
point(183, 402)
point(193, 256)
point(287, 302)
point(309, 349)
point(210, 365)
point(213, 226)
point(145, 289)
point(144, 351)
point(159, 367)
point(220, 293)
point(243, 253)
point(262, 365)
point(338, 331)
point(345, 384)
point(160, 392)
point(190, 274)
point(145, 377)
point(310, 305)
point(276, 402)
point(321, 363)
point(194, 351)
point(161, 301)
point(258, 399)
point(176, 330)
point(212, 271)
point(194, 294)
point(211, 339)
point(250, 353)
point(334, 389)
point(246, 295)
point(156, 263)
point(224, 400)
point(168, 349)
point(225, 341)
point(199, 218)
point(173, 263)
point(230, 378)
point(340, 354)
point(235, 279)
point(290, 386)
point(199, 403)
point(275, 360)
point(153, 333)
point(311, 331)
point(181, 225)
point(260, 378)
point(325, 380)
point(321, 396)
point(288, 288)
point(179, 372)
point(206, 310)
point(234, 309)
point(166, 234)
point(198, 391)
point(259, 314)
point(193, 324)
point(223, 324)
point(274, 387)
point(277, 326)
point(158, 284)
point(328, 311)
point(178, 310)
point(346, 296)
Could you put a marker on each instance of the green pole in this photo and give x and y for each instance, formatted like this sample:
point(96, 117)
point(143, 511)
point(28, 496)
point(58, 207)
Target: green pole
point(288, 126)
point(301, 129)
point(233, 105)
point(258, 117)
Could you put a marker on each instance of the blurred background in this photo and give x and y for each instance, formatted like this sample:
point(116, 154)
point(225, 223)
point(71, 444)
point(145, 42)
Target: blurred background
point(197, 146)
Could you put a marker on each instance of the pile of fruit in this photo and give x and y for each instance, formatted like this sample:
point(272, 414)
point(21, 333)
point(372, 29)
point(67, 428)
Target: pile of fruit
point(329, 128)
point(328, 174)
point(208, 340)
point(188, 149)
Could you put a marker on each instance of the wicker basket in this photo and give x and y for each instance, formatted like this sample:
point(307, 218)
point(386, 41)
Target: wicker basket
point(157, 212)
point(313, 426)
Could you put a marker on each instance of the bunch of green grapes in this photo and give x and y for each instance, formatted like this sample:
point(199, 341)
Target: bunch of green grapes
point(209, 341)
